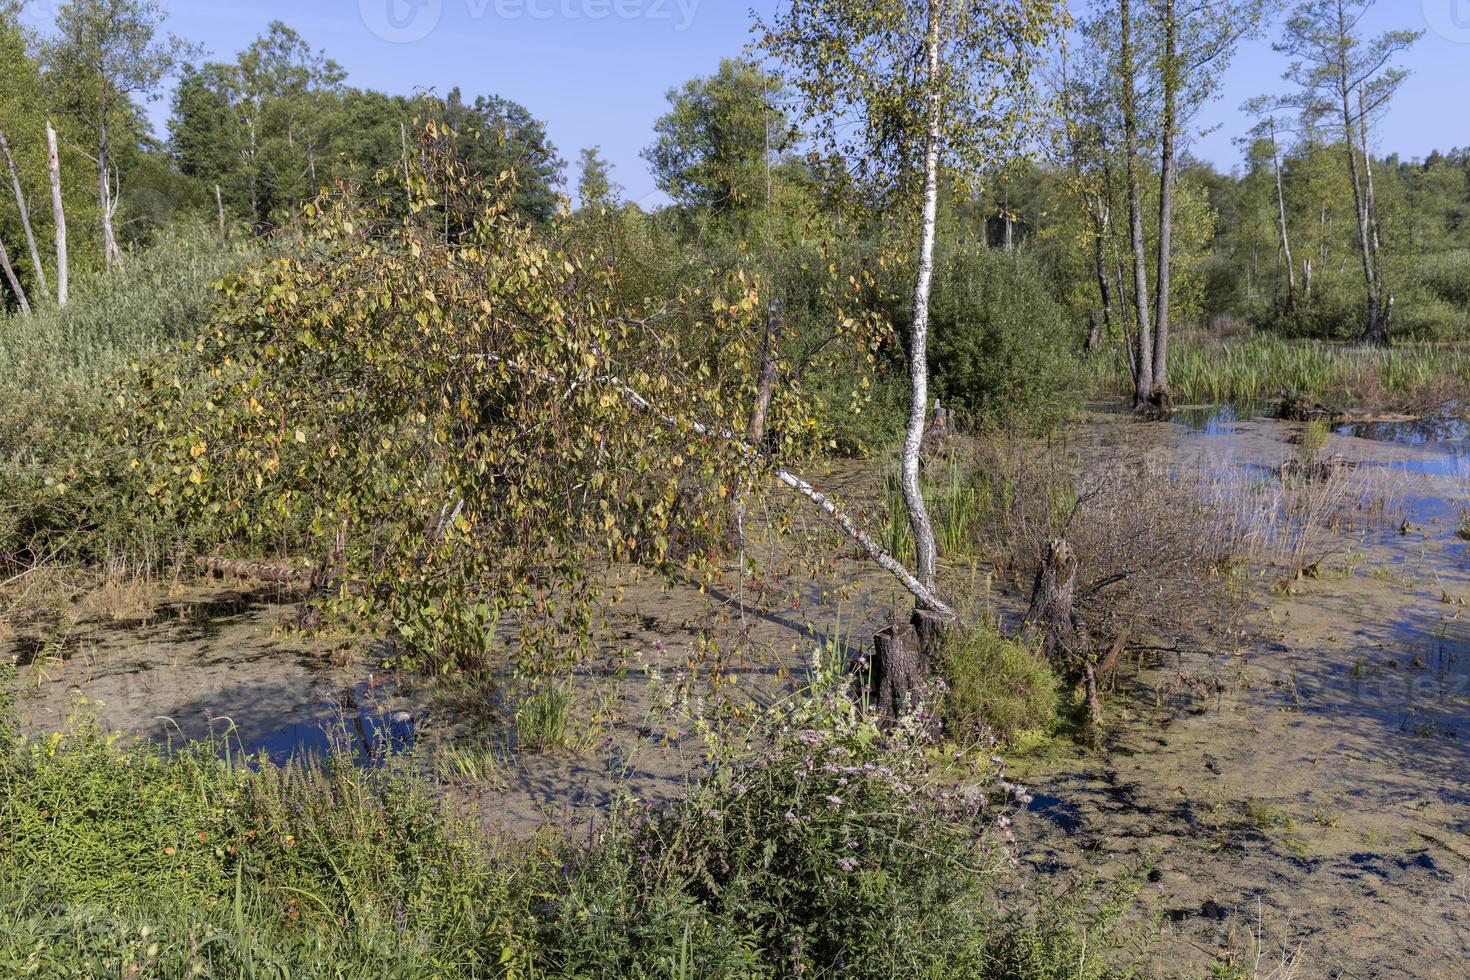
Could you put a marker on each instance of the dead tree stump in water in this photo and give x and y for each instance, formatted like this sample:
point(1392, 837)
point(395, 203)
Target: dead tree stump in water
point(1052, 621)
point(903, 658)
point(1057, 629)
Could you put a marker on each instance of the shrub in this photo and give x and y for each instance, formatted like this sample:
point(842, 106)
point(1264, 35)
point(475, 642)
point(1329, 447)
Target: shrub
point(1447, 277)
point(1000, 347)
point(995, 685)
point(833, 850)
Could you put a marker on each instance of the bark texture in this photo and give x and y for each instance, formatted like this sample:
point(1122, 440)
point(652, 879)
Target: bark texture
point(913, 444)
point(53, 165)
point(903, 661)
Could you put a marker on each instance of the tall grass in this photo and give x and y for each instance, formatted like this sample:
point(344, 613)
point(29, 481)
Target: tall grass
point(56, 395)
point(1262, 366)
point(54, 365)
point(953, 502)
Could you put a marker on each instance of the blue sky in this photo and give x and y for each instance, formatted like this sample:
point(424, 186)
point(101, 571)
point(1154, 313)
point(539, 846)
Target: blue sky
point(597, 70)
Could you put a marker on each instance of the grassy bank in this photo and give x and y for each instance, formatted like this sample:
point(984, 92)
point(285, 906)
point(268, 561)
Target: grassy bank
point(1258, 366)
point(820, 848)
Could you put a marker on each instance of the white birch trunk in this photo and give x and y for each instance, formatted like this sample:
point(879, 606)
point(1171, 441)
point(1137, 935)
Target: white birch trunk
point(924, 544)
point(53, 163)
point(25, 217)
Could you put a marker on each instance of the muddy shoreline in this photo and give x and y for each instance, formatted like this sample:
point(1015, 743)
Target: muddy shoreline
point(1300, 796)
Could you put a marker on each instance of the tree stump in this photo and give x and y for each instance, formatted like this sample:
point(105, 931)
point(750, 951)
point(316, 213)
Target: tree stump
point(1051, 621)
point(903, 658)
point(1054, 625)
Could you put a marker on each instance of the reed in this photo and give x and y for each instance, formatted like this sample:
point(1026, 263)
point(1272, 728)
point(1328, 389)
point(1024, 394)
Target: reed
point(1261, 366)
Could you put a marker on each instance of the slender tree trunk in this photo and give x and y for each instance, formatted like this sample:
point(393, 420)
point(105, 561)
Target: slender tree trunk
point(1145, 374)
point(925, 547)
point(1385, 302)
point(25, 218)
point(1100, 263)
point(1376, 333)
point(10, 277)
point(111, 254)
point(58, 211)
point(1281, 220)
point(1130, 347)
point(219, 205)
point(1168, 172)
point(765, 389)
point(1009, 225)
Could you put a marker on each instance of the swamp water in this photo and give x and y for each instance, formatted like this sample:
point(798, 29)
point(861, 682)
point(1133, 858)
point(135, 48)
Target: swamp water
point(1304, 795)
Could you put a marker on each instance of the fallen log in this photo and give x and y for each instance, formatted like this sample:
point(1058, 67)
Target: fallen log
point(259, 571)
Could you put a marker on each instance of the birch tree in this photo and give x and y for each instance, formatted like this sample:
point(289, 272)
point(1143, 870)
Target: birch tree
point(907, 92)
point(1340, 73)
point(105, 53)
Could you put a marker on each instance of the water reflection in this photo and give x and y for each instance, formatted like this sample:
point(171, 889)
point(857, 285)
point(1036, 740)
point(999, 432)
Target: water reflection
point(357, 721)
point(1410, 432)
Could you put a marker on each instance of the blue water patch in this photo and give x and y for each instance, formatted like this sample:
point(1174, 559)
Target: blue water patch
point(357, 723)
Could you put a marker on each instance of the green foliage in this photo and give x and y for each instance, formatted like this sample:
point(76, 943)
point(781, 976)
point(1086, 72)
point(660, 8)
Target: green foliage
point(498, 136)
point(1000, 347)
point(595, 187)
point(714, 144)
point(133, 861)
point(995, 686)
point(852, 65)
point(833, 849)
point(264, 128)
point(480, 416)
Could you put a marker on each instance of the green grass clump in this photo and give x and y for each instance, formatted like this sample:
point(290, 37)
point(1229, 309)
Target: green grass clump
point(954, 508)
point(1311, 442)
point(543, 718)
point(996, 685)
